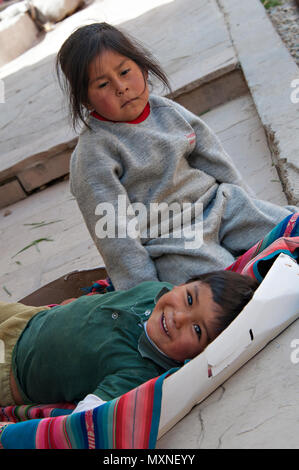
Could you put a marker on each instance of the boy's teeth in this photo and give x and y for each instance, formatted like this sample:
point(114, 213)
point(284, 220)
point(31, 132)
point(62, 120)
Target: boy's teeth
point(164, 324)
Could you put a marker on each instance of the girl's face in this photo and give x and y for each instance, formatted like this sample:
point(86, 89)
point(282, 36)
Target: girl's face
point(183, 321)
point(117, 89)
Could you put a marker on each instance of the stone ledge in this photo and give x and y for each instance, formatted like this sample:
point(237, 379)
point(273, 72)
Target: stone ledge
point(210, 94)
point(269, 70)
point(45, 171)
point(11, 192)
point(19, 181)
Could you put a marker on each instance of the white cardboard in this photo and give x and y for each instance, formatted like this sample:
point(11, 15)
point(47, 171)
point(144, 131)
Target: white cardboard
point(274, 306)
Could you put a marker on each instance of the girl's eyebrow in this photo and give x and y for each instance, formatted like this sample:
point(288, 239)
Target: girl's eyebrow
point(116, 68)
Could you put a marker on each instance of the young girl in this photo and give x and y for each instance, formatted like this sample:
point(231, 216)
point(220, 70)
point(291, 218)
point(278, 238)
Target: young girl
point(102, 346)
point(140, 151)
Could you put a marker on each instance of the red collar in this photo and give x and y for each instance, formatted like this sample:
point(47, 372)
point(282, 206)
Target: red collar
point(145, 113)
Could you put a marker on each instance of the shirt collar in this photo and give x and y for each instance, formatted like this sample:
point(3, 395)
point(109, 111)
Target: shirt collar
point(150, 351)
point(145, 113)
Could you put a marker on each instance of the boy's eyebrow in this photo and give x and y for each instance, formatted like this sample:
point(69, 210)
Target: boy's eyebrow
point(196, 292)
point(207, 333)
point(196, 289)
point(117, 67)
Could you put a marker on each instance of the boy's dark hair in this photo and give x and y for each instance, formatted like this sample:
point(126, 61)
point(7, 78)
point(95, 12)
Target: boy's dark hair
point(82, 47)
point(231, 291)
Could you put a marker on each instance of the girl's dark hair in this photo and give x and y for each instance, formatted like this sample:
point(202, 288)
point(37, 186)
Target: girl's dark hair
point(231, 291)
point(82, 47)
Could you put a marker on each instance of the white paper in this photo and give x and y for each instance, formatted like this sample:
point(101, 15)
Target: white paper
point(274, 306)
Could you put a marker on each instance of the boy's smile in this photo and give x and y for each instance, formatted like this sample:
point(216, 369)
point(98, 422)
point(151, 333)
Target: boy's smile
point(183, 321)
point(117, 88)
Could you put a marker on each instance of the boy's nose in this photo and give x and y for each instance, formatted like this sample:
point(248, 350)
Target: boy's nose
point(180, 318)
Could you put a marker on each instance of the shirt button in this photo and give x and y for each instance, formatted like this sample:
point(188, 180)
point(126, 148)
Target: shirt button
point(114, 315)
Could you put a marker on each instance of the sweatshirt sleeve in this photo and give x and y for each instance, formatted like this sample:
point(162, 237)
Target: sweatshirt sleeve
point(95, 182)
point(209, 154)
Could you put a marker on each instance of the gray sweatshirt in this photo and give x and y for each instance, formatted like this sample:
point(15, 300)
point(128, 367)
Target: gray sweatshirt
point(172, 156)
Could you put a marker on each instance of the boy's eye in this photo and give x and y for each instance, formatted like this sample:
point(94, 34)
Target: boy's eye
point(124, 72)
point(197, 330)
point(189, 298)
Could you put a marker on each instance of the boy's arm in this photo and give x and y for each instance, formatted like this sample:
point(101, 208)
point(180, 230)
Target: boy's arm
point(122, 381)
point(114, 386)
point(95, 182)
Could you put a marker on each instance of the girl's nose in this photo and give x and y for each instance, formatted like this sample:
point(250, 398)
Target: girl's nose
point(120, 89)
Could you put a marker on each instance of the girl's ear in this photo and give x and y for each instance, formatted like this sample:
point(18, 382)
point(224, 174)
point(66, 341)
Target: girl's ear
point(145, 74)
point(89, 107)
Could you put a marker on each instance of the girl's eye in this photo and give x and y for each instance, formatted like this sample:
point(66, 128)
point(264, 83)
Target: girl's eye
point(124, 72)
point(102, 85)
point(197, 330)
point(189, 298)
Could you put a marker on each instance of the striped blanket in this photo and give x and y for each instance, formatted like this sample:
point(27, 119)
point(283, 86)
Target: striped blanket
point(284, 238)
point(128, 422)
point(132, 420)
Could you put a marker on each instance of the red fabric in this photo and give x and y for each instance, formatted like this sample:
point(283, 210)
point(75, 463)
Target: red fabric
point(145, 113)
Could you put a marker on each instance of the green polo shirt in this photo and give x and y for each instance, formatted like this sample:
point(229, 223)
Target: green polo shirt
point(89, 346)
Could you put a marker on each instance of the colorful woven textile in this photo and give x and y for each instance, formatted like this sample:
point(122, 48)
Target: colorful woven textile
point(132, 420)
point(99, 287)
point(284, 238)
point(128, 422)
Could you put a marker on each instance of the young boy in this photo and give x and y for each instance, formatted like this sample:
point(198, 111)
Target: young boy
point(102, 346)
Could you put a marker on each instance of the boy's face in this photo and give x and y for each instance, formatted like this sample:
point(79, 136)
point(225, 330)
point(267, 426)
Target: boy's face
point(117, 89)
point(183, 321)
